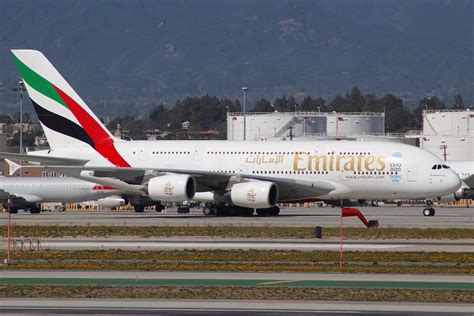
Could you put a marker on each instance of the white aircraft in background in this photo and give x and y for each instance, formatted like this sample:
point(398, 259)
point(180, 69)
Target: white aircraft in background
point(236, 176)
point(27, 192)
point(465, 171)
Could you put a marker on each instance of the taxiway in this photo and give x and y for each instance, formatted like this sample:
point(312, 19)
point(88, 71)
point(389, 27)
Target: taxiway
point(388, 216)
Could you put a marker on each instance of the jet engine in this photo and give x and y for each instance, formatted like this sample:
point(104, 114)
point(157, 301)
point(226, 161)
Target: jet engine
point(111, 202)
point(172, 188)
point(255, 194)
point(462, 193)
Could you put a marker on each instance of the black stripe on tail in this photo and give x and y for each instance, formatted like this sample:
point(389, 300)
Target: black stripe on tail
point(62, 125)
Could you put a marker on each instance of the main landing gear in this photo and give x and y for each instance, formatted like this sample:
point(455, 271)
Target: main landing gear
point(429, 209)
point(139, 208)
point(232, 210)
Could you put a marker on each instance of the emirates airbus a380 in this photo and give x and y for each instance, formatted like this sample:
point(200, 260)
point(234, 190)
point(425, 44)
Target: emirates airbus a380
point(238, 176)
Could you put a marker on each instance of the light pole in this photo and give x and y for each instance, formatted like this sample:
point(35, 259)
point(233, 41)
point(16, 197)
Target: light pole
point(21, 88)
point(244, 89)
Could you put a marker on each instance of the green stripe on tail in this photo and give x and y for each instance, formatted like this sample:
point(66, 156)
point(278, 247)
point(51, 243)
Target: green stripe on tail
point(38, 83)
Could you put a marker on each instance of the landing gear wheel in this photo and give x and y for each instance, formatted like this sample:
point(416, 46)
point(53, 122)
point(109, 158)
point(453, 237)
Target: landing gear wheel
point(139, 208)
point(426, 211)
point(35, 210)
point(241, 211)
point(159, 208)
point(13, 210)
point(432, 211)
point(429, 211)
point(206, 211)
point(274, 211)
point(222, 211)
point(248, 212)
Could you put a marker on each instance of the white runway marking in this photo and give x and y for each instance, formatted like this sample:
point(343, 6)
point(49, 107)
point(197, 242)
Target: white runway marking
point(207, 245)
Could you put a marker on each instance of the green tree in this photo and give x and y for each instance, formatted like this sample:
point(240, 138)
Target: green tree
point(285, 104)
point(6, 119)
point(398, 119)
point(313, 104)
point(337, 104)
point(371, 104)
point(354, 102)
point(26, 117)
point(160, 117)
point(458, 102)
point(263, 105)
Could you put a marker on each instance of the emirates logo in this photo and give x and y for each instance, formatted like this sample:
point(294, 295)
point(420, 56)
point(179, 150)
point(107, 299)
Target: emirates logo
point(168, 190)
point(251, 195)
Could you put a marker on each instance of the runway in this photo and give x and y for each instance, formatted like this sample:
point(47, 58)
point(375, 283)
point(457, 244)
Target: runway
point(206, 243)
point(388, 216)
point(222, 307)
point(128, 278)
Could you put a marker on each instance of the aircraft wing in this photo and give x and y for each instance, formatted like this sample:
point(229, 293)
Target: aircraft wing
point(134, 180)
point(469, 181)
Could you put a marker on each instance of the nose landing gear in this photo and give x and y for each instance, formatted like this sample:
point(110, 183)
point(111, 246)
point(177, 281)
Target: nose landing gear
point(429, 209)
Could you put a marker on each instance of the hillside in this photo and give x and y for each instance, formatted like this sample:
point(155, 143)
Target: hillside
point(127, 56)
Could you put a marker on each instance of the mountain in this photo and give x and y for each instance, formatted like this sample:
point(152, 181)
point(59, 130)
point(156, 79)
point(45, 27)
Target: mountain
point(127, 56)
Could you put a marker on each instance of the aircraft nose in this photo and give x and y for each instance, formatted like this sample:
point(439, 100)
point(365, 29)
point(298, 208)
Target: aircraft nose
point(453, 181)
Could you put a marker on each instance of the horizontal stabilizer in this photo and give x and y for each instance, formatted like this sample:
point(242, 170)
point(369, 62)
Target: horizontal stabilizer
point(44, 159)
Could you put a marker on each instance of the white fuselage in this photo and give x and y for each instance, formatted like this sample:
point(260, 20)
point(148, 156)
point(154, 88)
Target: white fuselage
point(358, 170)
point(464, 169)
point(60, 189)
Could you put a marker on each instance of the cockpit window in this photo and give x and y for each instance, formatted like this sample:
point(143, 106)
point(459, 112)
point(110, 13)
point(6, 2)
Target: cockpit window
point(435, 167)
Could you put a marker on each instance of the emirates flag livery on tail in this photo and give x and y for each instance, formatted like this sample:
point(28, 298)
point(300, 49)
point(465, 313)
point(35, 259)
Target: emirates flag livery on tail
point(239, 175)
point(61, 110)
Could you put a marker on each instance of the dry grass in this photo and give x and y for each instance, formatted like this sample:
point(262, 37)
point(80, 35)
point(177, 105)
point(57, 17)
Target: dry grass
point(247, 255)
point(238, 231)
point(248, 260)
point(247, 293)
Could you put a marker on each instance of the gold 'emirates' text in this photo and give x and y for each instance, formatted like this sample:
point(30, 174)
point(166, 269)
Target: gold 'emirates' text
point(305, 161)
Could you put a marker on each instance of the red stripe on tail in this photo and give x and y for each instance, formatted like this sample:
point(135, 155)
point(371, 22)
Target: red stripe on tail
point(104, 144)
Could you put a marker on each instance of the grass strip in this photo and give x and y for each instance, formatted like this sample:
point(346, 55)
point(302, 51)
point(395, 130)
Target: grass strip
point(236, 267)
point(247, 256)
point(238, 231)
point(246, 260)
point(246, 293)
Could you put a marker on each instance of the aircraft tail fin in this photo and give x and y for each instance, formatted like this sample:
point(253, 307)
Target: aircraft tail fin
point(65, 117)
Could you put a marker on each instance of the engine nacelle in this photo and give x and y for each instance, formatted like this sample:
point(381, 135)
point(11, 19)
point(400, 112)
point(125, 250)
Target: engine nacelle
point(172, 188)
point(111, 202)
point(462, 193)
point(254, 194)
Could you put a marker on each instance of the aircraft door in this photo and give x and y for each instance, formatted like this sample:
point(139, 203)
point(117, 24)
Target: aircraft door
point(243, 169)
point(411, 174)
point(143, 154)
point(198, 152)
point(344, 175)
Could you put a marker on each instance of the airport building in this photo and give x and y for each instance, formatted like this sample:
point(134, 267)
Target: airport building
point(300, 125)
point(449, 134)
